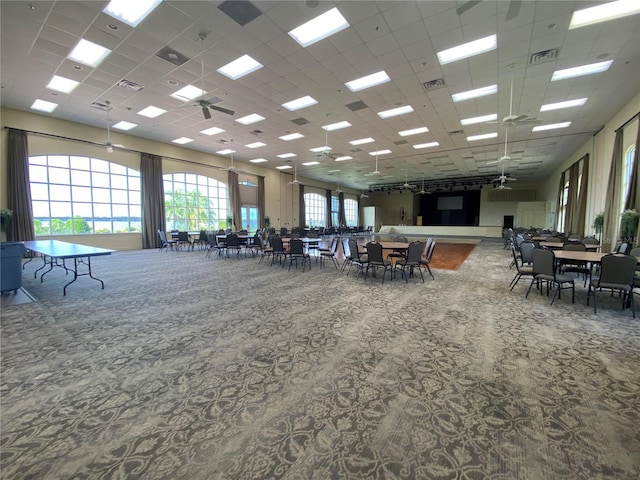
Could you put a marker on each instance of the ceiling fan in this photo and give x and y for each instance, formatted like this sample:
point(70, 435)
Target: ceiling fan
point(231, 167)
point(513, 120)
point(422, 190)
point(203, 103)
point(375, 172)
point(338, 188)
point(326, 152)
point(364, 195)
point(107, 106)
point(295, 180)
point(406, 179)
point(512, 12)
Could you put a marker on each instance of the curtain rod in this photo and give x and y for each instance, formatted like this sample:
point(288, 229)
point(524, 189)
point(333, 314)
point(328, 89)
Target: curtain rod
point(627, 122)
point(97, 144)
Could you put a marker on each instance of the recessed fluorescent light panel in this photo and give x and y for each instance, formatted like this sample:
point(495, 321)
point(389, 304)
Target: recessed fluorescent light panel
point(299, 103)
point(122, 125)
point(187, 93)
point(426, 145)
point(551, 126)
point(581, 70)
point(258, 160)
point(291, 136)
point(484, 136)
point(368, 81)
point(151, 112)
point(567, 104)
point(131, 13)
point(249, 119)
point(212, 131)
point(380, 152)
point(308, 164)
point(362, 141)
point(342, 159)
point(467, 50)
point(44, 106)
point(284, 167)
point(240, 67)
point(226, 151)
point(478, 92)
point(336, 126)
point(88, 53)
point(603, 13)
point(182, 140)
point(320, 149)
point(322, 26)
point(481, 119)
point(394, 112)
point(255, 145)
point(413, 131)
point(61, 84)
point(286, 155)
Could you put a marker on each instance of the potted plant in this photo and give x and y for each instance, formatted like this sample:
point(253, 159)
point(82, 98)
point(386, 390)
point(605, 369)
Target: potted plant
point(230, 223)
point(598, 223)
point(267, 222)
point(629, 224)
point(5, 219)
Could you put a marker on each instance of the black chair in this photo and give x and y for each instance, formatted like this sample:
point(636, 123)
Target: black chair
point(412, 261)
point(617, 272)
point(544, 270)
point(296, 252)
point(398, 253)
point(522, 270)
point(184, 239)
point(356, 258)
point(164, 243)
point(576, 266)
point(277, 250)
point(427, 256)
point(375, 260)
point(330, 253)
point(233, 244)
point(213, 245)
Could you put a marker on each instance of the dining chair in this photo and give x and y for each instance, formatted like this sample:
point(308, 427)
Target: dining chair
point(277, 250)
point(164, 243)
point(426, 259)
point(297, 252)
point(396, 254)
point(376, 261)
point(330, 253)
point(544, 270)
point(356, 258)
point(213, 245)
point(412, 261)
point(233, 244)
point(617, 272)
point(184, 239)
point(522, 270)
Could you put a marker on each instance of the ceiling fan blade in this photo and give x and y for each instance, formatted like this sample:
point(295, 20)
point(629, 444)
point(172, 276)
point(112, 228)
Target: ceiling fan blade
point(223, 110)
point(206, 113)
point(467, 6)
point(514, 10)
point(520, 118)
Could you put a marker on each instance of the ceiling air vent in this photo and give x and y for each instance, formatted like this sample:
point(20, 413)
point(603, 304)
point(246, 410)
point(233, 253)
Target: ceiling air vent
point(434, 84)
point(400, 142)
point(457, 132)
point(130, 85)
point(355, 106)
point(172, 56)
point(544, 56)
point(300, 121)
point(257, 132)
point(101, 106)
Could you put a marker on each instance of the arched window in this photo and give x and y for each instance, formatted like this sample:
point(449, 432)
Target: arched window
point(73, 195)
point(315, 207)
point(195, 202)
point(351, 212)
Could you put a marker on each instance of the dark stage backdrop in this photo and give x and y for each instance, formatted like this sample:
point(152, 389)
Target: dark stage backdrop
point(450, 208)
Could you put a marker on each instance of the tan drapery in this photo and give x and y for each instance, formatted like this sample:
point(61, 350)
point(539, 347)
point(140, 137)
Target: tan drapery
point(633, 195)
point(302, 220)
point(153, 209)
point(328, 220)
point(611, 204)
point(19, 188)
point(580, 218)
point(261, 203)
point(559, 204)
point(234, 199)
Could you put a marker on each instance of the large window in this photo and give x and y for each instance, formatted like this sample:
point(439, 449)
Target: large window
point(195, 202)
point(562, 212)
point(74, 195)
point(351, 212)
point(335, 211)
point(627, 165)
point(315, 207)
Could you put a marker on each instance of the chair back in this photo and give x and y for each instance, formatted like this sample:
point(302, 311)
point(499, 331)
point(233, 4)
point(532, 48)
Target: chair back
point(232, 240)
point(526, 252)
point(183, 236)
point(575, 246)
point(544, 262)
point(353, 249)
point(617, 268)
point(590, 241)
point(334, 246)
point(163, 236)
point(635, 252)
point(202, 238)
point(401, 238)
point(296, 247)
point(431, 250)
point(257, 241)
point(283, 231)
point(374, 252)
point(276, 244)
point(414, 252)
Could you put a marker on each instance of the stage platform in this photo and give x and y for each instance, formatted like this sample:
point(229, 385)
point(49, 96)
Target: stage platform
point(442, 231)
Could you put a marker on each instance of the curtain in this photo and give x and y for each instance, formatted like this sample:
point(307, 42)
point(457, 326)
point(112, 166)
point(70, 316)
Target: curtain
point(328, 220)
point(559, 204)
point(633, 195)
point(572, 200)
point(580, 217)
point(261, 203)
point(342, 220)
point(18, 188)
point(153, 211)
point(234, 200)
point(611, 204)
point(301, 211)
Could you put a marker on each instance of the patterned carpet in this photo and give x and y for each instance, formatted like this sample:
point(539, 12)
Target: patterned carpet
point(191, 368)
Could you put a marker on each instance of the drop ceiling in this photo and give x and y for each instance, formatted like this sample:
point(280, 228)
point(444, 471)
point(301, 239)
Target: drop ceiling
point(147, 64)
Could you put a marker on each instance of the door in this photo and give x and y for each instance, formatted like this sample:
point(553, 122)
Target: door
point(507, 221)
point(249, 218)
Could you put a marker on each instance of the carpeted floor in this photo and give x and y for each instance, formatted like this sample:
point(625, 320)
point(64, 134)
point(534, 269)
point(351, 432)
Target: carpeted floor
point(191, 368)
